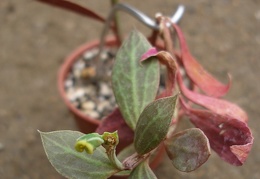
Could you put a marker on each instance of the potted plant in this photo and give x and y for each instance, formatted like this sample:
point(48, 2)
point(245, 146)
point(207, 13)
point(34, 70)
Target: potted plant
point(88, 121)
point(79, 98)
point(146, 118)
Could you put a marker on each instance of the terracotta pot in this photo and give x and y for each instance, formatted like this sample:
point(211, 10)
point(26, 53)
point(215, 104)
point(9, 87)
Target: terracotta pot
point(85, 123)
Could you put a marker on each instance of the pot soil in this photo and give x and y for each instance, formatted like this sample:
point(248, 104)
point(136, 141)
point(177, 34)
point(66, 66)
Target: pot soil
point(89, 99)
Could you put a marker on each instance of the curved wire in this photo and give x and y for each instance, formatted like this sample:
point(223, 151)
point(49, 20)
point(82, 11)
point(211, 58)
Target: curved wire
point(144, 18)
point(139, 16)
point(175, 18)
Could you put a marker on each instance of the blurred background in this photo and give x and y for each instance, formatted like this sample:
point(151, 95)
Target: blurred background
point(223, 35)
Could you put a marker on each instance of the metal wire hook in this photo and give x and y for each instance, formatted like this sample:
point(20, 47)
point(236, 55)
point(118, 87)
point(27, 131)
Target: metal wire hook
point(139, 16)
point(175, 18)
point(144, 18)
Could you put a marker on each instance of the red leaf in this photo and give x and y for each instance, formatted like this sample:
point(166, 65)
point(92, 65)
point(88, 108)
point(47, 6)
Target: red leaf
point(198, 75)
point(166, 59)
point(188, 149)
point(229, 137)
point(218, 106)
point(114, 122)
point(74, 8)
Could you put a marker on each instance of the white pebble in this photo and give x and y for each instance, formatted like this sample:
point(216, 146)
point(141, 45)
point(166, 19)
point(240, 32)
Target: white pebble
point(88, 105)
point(77, 73)
point(92, 114)
point(68, 83)
point(104, 89)
point(79, 65)
point(71, 94)
point(74, 94)
point(88, 55)
point(79, 92)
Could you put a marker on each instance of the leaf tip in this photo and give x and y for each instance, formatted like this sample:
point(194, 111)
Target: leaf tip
point(151, 52)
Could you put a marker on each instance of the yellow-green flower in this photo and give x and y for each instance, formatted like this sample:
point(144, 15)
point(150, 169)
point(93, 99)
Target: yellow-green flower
point(89, 142)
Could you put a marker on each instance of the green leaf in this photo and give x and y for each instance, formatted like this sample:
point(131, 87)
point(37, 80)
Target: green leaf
point(135, 84)
point(188, 149)
point(153, 124)
point(142, 171)
point(59, 147)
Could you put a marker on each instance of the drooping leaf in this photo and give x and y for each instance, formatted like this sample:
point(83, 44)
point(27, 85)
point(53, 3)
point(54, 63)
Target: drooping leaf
point(196, 72)
point(142, 171)
point(74, 8)
point(188, 149)
point(216, 105)
point(59, 148)
point(115, 122)
point(134, 84)
point(229, 137)
point(167, 59)
point(153, 124)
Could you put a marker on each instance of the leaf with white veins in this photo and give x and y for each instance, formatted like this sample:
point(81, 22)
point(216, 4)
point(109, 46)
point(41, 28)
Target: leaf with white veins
point(135, 84)
point(59, 148)
point(154, 123)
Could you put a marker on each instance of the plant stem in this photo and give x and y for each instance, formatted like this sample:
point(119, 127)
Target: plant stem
point(132, 161)
point(111, 140)
point(111, 153)
point(153, 37)
point(116, 22)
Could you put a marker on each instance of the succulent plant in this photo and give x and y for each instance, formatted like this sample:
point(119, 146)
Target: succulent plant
point(149, 118)
point(153, 118)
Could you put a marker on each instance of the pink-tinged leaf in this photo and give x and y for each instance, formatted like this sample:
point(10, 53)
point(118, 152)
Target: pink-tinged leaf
point(166, 59)
point(196, 72)
point(74, 8)
point(150, 53)
point(114, 122)
point(219, 106)
point(188, 149)
point(241, 152)
point(229, 137)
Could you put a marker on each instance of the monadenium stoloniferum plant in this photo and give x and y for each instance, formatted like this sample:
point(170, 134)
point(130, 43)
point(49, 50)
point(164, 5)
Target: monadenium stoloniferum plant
point(148, 119)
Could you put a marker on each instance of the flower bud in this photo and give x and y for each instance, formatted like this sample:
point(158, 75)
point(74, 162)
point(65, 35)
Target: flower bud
point(89, 142)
